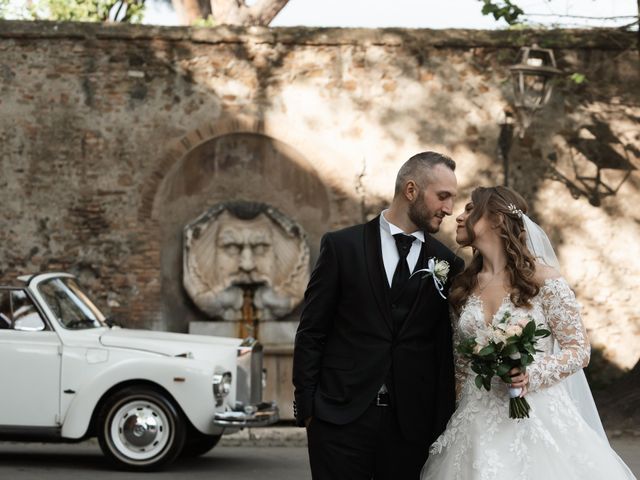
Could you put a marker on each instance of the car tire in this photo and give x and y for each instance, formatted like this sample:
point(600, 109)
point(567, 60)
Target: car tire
point(198, 443)
point(140, 429)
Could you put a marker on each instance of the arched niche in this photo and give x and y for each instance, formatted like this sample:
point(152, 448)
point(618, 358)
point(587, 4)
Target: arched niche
point(241, 166)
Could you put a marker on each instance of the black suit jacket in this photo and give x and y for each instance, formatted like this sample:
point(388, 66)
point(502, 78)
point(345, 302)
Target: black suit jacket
point(345, 345)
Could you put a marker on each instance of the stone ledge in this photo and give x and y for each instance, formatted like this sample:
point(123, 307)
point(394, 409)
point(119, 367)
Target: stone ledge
point(267, 437)
point(604, 39)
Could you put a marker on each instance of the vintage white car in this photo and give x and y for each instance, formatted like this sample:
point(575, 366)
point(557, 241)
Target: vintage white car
point(148, 396)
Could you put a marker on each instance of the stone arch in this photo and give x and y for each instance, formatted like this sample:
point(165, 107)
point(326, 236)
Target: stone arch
point(225, 125)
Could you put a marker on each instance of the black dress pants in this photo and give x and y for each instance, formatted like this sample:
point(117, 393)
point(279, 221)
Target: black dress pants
point(371, 447)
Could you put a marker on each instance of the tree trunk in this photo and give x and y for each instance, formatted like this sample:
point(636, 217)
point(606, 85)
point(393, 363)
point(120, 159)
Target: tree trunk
point(191, 10)
point(264, 11)
point(236, 12)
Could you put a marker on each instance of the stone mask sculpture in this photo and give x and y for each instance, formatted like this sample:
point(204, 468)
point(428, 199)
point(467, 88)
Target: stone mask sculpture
point(241, 247)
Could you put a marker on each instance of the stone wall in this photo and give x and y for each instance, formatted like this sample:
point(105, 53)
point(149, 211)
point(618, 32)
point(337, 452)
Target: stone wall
point(113, 137)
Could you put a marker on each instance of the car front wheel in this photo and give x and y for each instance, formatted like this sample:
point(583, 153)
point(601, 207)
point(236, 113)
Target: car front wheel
point(140, 429)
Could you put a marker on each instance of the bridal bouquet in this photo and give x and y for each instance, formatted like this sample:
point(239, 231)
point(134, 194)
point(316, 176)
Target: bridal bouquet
point(509, 343)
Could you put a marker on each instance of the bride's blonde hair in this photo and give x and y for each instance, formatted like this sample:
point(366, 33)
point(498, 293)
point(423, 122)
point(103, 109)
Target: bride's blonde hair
point(498, 203)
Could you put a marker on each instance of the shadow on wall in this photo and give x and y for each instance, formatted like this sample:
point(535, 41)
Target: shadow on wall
point(598, 162)
point(619, 403)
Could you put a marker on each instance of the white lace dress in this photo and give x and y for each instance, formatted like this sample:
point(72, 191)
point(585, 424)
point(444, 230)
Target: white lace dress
point(481, 442)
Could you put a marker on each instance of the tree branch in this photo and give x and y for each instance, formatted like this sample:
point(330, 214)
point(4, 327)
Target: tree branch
point(264, 11)
point(236, 12)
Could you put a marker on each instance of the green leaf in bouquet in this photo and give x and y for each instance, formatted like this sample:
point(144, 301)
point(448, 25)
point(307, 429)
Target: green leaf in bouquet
point(529, 348)
point(542, 333)
point(509, 349)
point(505, 317)
point(527, 360)
point(479, 382)
point(489, 349)
point(476, 368)
point(486, 381)
point(529, 329)
point(502, 369)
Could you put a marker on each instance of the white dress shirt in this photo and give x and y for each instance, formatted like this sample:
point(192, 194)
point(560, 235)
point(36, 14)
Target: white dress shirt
point(390, 253)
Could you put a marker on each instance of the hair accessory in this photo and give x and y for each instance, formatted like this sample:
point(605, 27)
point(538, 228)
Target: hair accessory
point(513, 210)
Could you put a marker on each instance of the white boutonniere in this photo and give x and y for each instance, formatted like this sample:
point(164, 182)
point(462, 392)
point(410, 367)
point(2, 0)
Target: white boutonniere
point(439, 271)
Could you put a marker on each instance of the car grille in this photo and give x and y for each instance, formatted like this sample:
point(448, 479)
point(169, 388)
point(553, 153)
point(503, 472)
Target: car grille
point(249, 373)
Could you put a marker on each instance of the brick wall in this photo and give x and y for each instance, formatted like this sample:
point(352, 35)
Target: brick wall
point(101, 125)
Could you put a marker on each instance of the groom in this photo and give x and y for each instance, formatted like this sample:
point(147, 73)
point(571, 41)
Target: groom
point(373, 360)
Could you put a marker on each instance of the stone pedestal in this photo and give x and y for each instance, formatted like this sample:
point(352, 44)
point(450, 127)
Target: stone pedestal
point(277, 339)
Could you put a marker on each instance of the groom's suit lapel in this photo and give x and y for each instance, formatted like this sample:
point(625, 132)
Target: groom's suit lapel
point(375, 269)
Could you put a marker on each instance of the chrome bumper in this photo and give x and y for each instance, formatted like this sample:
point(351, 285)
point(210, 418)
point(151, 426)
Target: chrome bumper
point(261, 416)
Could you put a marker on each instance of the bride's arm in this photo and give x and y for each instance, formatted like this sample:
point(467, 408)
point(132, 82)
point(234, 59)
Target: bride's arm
point(459, 362)
point(562, 313)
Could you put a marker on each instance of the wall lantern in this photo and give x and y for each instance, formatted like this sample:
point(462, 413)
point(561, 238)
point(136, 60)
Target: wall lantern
point(532, 78)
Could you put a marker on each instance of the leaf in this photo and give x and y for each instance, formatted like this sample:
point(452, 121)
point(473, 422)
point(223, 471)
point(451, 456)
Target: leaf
point(487, 382)
point(487, 350)
point(527, 360)
point(502, 369)
point(578, 78)
point(479, 382)
point(542, 333)
point(510, 349)
point(529, 329)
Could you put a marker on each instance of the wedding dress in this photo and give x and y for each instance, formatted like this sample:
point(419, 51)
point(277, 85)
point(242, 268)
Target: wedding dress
point(481, 442)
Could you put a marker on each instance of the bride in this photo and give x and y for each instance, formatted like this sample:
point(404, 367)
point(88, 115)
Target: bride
point(563, 438)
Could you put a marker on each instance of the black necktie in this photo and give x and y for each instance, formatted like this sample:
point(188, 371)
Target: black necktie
point(401, 274)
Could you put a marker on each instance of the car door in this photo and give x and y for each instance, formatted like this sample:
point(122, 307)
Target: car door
point(29, 363)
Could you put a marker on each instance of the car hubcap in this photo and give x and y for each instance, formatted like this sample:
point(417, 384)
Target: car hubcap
point(140, 430)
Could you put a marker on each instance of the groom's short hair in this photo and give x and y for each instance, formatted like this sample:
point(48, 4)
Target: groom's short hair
point(419, 165)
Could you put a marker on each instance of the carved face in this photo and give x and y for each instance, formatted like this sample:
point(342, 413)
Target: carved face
point(224, 254)
point(245, 251)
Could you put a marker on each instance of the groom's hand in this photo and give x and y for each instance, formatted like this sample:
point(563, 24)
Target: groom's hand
point(519, 380)
point(307, 422)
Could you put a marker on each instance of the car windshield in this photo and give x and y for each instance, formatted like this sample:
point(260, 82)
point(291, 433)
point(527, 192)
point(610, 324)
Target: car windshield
point(70, 304)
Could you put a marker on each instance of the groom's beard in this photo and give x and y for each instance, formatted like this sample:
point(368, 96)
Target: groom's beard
point(423, 218)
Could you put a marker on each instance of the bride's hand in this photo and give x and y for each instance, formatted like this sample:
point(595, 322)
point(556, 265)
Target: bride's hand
point(519, 380)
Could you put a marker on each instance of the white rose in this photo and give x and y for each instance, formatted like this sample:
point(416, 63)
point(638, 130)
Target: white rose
point(483, 339)
point(513, 331)
point(499, 336)
point(477, 349)
point(523, 322)
point(442, 269)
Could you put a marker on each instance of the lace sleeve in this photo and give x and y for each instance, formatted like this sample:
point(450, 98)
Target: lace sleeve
point(562, 314)
point(459, 362)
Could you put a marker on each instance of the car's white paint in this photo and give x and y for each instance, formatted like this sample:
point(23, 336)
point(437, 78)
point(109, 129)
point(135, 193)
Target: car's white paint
point(58, 377)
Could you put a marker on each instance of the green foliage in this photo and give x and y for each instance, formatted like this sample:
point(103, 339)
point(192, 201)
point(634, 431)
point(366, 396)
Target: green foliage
point(502, 9)
point(76, 10)
point(578, 78)
point(204, 22)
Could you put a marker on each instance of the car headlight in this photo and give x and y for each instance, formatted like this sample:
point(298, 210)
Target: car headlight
point(221, 386)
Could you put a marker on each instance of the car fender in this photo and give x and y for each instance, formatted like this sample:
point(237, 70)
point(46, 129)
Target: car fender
point(187, 381)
